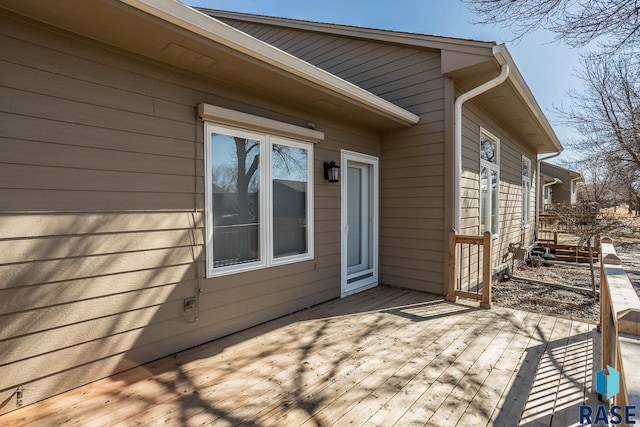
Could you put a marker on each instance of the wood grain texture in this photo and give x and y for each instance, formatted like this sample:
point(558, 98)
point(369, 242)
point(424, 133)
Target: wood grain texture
point(382, 357)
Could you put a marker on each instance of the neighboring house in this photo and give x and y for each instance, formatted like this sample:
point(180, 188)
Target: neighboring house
point(162, 184)
point(558, 185)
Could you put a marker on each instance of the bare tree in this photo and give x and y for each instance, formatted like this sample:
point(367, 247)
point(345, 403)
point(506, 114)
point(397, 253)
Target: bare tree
point(626, 180)
point(587, 221)
point(600, 185)
point(575, 22)
point(607, 116)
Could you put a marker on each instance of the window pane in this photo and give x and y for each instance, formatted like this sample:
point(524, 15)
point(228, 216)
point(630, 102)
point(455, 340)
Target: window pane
point(525, 168)
point(495, 202)
point(236, 199)
point(487, 149)
point(526, 201)
point(354, 217)
point(290, 192)
point(484, 199)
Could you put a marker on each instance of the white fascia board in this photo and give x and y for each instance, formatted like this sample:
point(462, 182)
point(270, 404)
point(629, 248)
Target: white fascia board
point(503, 56)
point(199, 23)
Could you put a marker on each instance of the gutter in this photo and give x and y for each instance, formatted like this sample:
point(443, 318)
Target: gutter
point(204, 25)
point(457, 137)
point(503, 56)
point(555, 181)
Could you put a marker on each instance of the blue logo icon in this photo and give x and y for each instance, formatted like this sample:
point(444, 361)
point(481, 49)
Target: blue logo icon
point(608, 384)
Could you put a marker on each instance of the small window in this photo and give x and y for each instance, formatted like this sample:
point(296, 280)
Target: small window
point(526, 192)
point(489, 183)
point(259, 197)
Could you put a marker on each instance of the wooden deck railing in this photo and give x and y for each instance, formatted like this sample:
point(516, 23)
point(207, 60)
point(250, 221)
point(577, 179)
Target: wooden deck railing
point(472, 266)
point(620, 323)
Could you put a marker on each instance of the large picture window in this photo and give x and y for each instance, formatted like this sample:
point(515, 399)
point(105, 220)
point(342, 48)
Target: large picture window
point(489, 183)
point(259, 199)
point(526, 192)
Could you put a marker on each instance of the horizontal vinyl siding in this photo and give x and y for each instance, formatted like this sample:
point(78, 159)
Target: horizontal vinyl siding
point(101, 215)
point(412, 162)
point(511, 152)
point(412, 180)
point(395, 73)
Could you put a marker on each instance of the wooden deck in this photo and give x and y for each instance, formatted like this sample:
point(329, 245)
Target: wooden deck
point(382, 357)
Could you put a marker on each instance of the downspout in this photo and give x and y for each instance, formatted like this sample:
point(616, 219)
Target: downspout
point(549, 184)
point(539, 189)
point(457, 139)
point(573, 188)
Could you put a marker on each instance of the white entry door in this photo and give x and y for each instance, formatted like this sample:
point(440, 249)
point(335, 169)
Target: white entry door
point(359, 222)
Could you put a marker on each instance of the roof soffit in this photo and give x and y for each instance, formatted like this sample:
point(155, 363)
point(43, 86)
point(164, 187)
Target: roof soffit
point(124, 27)
point(511, 104)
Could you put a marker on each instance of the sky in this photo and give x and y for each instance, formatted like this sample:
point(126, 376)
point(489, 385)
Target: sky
point(547, 66)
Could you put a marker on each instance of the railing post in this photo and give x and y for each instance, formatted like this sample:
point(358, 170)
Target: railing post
point(453, 267)
point(486, 269)
point(606, 316)
point(609, 345)
point(606, 320)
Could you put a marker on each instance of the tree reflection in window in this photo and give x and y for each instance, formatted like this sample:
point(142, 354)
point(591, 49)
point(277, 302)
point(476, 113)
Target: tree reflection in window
point(290, 177)
point(487, 149)
point(489, 217)
point(236, 199)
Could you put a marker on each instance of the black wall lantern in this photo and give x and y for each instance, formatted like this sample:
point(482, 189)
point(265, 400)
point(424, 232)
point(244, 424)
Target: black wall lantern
point(331, 171)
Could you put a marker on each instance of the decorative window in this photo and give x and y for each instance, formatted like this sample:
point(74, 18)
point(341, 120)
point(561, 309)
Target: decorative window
point(526, 192)
point(489, 183)
point(259, 200)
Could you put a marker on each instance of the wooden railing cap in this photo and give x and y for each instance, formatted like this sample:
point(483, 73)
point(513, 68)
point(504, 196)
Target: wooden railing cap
point(629, 321)
point(611, 259)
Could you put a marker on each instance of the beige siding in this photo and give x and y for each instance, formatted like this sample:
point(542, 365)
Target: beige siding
point(101, 226)
point(412, 163)
point(512, 229)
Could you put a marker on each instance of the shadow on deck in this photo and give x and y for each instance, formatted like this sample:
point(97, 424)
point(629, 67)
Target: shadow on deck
point(382, 357)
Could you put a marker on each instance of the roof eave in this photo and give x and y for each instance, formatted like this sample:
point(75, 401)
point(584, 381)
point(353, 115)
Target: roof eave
point(502, 56)
point(572, 174)
point(390, 36)
point(206, 26)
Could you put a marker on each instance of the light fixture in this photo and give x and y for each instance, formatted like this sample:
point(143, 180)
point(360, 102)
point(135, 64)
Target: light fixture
point(331, 171)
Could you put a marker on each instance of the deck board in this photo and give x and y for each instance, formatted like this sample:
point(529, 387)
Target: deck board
point(383, 357)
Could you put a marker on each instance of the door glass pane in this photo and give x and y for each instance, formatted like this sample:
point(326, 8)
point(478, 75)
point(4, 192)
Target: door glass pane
point(354, 216)
point(289, 170)
point(495, 202)
point(235, 199)
point(484, 199)
point(525, 168)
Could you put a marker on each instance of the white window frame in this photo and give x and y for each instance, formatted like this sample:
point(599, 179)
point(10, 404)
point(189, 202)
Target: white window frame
point(491, 167)
point(309, 254)
point(266, 193)
point(526, 198)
